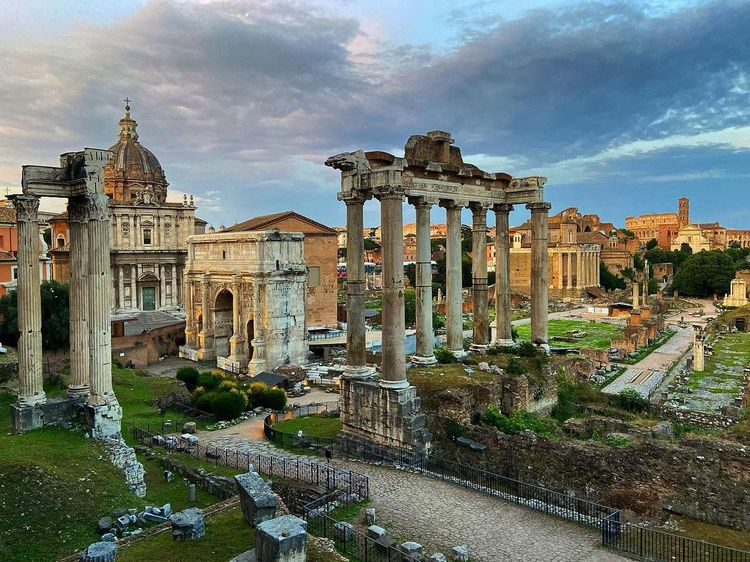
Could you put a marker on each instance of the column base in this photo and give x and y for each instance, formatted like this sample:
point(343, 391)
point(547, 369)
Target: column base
point(359, 372)
point(31, 400)
point(78, 391)
point(26, 418)
point(423, 360)
point(479, 347)
point(105, 419)
point(393, 385)
point(459, 353)
point(504, 342)
point(256, 366)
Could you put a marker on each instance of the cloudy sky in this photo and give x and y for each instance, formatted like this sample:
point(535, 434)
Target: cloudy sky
point(625, 106)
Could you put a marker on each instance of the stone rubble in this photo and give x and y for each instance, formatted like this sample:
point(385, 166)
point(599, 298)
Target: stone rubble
point(188, 524)
point(123, 457)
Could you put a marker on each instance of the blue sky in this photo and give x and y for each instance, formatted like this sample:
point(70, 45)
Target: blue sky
point(624, 106)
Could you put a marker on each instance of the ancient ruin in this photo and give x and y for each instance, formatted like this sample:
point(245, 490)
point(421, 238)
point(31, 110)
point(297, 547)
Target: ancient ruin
point(79, 179)
point(432, 172)
point(245, 300)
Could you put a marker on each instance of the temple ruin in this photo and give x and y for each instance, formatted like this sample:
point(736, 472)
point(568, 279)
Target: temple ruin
point(79, 178)
point(432, 172)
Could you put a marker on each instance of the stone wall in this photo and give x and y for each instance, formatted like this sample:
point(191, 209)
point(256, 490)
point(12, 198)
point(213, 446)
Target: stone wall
point(145, 349)
point(705, 479)
point(699, 419)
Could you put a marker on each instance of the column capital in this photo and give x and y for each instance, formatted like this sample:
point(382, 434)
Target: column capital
point(539, 207)
point(452, 204)
point(27, 207)
point(477, 207)
point(422, 201)
point(389, 192)
point(97, 207)
point(502, 208)
point(354, 197)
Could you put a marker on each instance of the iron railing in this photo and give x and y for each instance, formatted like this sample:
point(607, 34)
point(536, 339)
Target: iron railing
point(293, 440)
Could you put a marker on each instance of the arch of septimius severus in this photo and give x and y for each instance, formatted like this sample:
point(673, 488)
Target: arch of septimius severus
point(79, 178)
point(432, 172)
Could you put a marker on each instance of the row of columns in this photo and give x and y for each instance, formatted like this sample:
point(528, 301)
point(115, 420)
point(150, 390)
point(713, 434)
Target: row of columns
point(393, 346)
point(134, 299)
point(90, 328)
point(579, 268)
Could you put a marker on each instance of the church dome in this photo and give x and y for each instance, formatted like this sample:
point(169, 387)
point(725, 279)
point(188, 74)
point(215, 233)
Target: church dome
point(134, 175)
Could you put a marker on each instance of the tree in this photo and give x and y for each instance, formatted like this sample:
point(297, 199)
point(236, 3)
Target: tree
point(651, 244)
point(55, 316)
point(410, 271)
point(371, 245)
point(608, 280)
point(705, 274)
point(410, 307)
point(638, 262)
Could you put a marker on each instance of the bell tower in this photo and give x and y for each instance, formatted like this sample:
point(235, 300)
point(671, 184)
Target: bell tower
point(683, 211)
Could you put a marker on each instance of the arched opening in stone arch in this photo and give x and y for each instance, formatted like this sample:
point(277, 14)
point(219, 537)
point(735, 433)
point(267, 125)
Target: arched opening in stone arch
point(223, 328)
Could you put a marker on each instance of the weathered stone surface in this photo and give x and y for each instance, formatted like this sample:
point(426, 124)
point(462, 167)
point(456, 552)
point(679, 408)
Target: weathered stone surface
point(257, 499)
point(283, 539)
point(189, 427)
point(370, 516)
point(460, 554)
point(438, 557)
point(188, 524)
point(343, 531)
point(105, 523)
point(663, 430)
point(375, 532)
point(410, 547)
point(123, 457)
point(100, 552)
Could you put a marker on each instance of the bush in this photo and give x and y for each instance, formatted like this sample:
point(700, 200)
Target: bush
point(275, 398)
point(227, 405)
point(526, 349)
point(444, 356)
point(257, 394)
point(565, 407)
point(631, 400)
point(521, 420)
point(189, 376)
point(204, 402)
point(515, 367)
point(226, 386)
point(209, 380)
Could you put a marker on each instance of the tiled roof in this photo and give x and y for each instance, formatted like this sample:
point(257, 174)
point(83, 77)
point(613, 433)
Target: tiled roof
point(263, 222)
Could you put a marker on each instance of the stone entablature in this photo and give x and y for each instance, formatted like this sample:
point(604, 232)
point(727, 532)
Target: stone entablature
point(245, 300)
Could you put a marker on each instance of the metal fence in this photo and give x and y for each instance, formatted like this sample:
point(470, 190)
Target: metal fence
point(313, 473)
point(294, 440)
point(652, 544)
point(321, 522)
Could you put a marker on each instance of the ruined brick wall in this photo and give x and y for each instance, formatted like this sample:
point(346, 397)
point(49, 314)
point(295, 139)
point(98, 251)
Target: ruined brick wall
point(705, 479)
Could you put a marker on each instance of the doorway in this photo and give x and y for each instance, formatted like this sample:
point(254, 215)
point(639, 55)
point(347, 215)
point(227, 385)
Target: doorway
point(148, 298)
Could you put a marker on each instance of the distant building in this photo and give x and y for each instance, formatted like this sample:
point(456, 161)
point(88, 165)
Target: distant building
point(661, 227)
point(321, 247)
point(9, 249)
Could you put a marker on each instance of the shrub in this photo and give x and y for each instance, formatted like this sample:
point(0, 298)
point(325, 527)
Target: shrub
point(257, 393)
point(631, 400)
point(565, 407)
point(227, 405)
point(275, 398)
point(204, 402)
point(209, 380)
point(515, 367)
point(226, 385)
point(444, 356)
point(526, 349)
point(189, 376)
point(521, 420)
point(453, 429)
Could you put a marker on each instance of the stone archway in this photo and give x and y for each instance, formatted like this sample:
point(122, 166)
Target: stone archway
point(148, 285)
point(223, 328)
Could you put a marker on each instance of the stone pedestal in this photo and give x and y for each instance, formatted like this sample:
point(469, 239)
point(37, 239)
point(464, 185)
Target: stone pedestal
point(257, 499)
point(283, 539)
point(372, 414)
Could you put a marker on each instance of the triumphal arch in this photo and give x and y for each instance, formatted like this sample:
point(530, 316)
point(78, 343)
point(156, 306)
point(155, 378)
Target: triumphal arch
point(79, 179)
point(385, 410)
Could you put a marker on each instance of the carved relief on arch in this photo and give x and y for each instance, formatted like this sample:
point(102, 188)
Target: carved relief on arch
point(126, 229)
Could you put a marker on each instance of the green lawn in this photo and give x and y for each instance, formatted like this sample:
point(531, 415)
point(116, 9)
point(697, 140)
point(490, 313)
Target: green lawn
point(313, 426)
point(564, 333)
point(723, 373)
point(227, 535)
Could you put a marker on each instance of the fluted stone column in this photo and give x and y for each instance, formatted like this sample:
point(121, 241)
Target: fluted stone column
point(162, 286)
point(569, 267)
point(175, 301)
point(133, 287)
point(425, 334)
point(236, 342)
point(393, 367)
point(539, 271)
point(206, 335)
point(503, 313)
point(356, 358)
point(454, 298)
point(79, 299)
point(481, 337)
point(561, 269)
point(30, 392)
point(100, 327)
point(579, 270)
point(190, 328)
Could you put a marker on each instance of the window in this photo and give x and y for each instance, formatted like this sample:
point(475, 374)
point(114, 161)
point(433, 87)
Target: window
point(146, 236)
point(15, 272)
point(313, 276)
point(60, 241)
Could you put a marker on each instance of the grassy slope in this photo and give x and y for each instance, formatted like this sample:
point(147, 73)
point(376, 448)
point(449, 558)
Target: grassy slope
point(730, 354)
point(599, 335)
point(227, 535)
point(313, 426)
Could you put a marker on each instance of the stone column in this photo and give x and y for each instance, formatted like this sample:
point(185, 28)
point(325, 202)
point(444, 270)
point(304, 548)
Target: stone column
point(561, 269)
point(120, 287)
point(454, 298)
point(162, 286)
point(569, 267)
point(481, 338)
point(539, 270)
point(425, 334)
point(636, 296)
point(258, 361)
point(393, 367)
point(355, 291)
point(79, 300)
point(175, 301)
point(503, 313)
point(190, 333)
point(579, 269)
point(99, 323)
point(206, 335)
point(30, 392)
point(699, 354)
point(236, 342)
point(133, 287)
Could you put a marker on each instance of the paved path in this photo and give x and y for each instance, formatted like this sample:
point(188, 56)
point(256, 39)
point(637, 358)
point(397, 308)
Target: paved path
point(440, 515)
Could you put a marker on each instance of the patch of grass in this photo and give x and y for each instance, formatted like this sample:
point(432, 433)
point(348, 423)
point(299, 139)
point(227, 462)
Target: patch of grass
point(431, 381)
point(597, 335)
point(227, 535)
point(710, 533)
point(312, 425)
